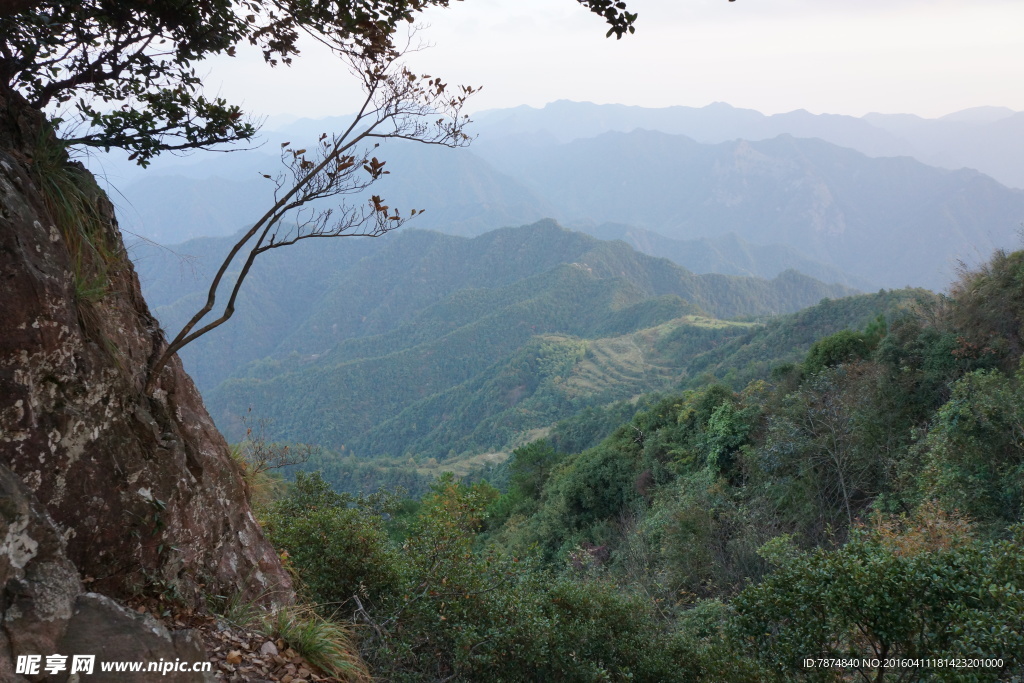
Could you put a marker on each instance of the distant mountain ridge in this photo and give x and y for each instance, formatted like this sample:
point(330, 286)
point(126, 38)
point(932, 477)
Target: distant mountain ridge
point(989, 139)
point(892, 221)
point(790, 202)
point(727, 254)
point(460, 193)
point(564, 121)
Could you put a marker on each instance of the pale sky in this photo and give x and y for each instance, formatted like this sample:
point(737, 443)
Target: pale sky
point(927, 57)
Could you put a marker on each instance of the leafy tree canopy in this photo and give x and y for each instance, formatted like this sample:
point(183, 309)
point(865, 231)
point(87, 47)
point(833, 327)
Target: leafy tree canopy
point(125, 69)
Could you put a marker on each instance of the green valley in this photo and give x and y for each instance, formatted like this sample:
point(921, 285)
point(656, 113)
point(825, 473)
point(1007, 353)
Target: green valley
point(861, 498)
point(472, 344)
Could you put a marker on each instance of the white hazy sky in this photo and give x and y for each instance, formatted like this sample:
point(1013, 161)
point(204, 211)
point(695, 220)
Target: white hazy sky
point(928, 57)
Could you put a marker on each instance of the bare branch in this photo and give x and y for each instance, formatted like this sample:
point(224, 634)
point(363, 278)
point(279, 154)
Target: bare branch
point(399, 105)
point(262, 455)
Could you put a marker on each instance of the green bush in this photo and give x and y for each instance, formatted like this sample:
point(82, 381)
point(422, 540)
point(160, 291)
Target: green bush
point(873, 599)
point(840, 347)
point(973, 456)
point(988, 309)
point(336, 543)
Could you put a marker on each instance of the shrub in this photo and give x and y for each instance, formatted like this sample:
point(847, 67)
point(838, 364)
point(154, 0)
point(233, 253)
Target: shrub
point(840, 347)
point(973, 456)
point(864, 600)
point(336, 543)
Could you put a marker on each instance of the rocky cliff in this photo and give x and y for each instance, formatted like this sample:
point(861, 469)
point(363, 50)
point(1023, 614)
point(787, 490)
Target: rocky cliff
point(120, 490)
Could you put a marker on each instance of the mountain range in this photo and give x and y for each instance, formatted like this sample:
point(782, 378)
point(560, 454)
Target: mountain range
point(739, 207)
point(405, 342)
point(988, 139)
point(891, 220)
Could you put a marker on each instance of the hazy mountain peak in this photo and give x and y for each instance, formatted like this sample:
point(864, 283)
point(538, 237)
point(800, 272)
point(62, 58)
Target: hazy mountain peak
point(979, 115)
point(720, 106)
point(878, 118)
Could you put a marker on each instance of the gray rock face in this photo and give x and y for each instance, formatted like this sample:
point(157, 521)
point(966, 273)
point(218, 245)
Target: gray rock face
point(44, 610)
point(141, 485)
point(134, 490)
point(38, 584)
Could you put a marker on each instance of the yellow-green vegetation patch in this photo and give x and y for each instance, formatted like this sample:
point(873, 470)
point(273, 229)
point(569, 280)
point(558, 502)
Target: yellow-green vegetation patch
point(635, 358)
point(463, 465)
point(711, 323)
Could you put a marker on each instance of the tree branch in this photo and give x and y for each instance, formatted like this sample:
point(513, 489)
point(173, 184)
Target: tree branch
point(393, 95)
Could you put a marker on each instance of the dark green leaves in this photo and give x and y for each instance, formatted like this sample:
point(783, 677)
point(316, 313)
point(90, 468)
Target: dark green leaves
point(127, 64)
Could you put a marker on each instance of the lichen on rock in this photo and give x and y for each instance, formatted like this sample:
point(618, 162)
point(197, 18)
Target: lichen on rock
point(77, 425)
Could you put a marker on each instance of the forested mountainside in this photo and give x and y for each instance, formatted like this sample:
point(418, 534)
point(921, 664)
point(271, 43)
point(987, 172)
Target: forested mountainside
point(861, 504)
point(357, 341)
point(591, 384)
point(468, 452)
point(311, 297)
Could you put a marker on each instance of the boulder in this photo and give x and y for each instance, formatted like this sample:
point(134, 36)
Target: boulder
point(45, 611)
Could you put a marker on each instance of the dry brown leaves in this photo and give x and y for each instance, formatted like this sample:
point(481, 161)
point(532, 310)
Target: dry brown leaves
point(240, 655)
